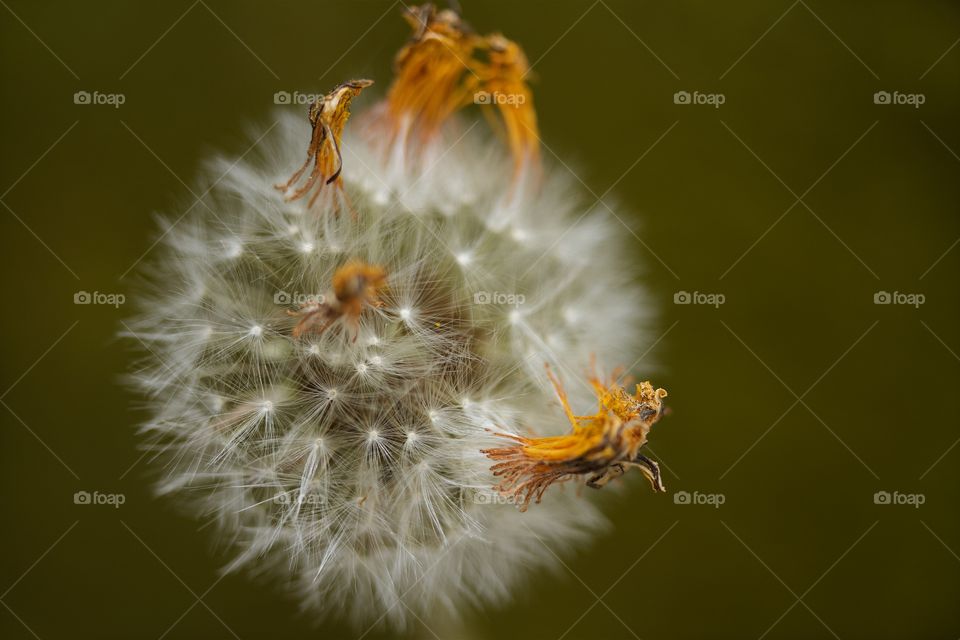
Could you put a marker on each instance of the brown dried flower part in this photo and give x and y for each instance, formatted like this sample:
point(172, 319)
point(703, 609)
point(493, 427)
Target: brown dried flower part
point(599, 447)
point(503, 79)
point(445, 67)
point(355, 285)
point(328, 117)
point(433, 75)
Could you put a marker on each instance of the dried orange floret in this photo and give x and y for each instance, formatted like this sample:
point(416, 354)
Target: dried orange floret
point(355, 285)
point(433, 75)
point(445, 67)
point(599, 447)
point(503, 78)
point(328, 117)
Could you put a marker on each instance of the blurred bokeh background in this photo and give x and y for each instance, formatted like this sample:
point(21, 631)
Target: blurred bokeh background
point(811, 455)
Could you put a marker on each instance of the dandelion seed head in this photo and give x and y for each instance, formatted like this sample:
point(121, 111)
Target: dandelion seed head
point(371, 434)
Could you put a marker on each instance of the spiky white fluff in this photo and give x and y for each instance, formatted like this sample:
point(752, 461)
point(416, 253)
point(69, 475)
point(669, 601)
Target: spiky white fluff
point(352, 469)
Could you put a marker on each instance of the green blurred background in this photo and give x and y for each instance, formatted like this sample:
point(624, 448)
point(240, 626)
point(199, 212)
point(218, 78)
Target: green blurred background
point(794, 402)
